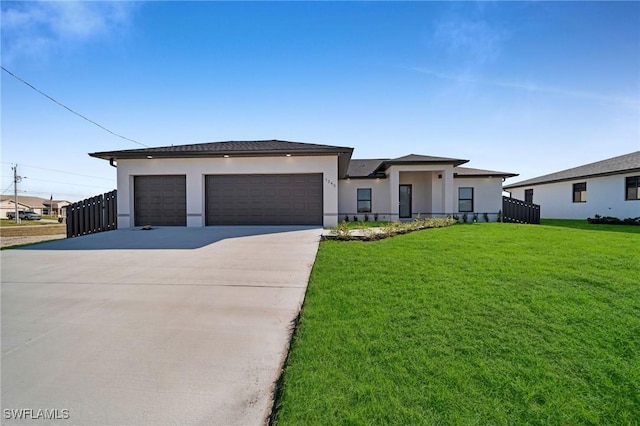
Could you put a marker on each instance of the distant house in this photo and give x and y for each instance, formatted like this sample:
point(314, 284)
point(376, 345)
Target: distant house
point(35, 204)
point(609, 187)
point(274, 182)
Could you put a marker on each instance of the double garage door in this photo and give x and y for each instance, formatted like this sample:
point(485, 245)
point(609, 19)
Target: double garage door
point(286, 199)
point(264, 199)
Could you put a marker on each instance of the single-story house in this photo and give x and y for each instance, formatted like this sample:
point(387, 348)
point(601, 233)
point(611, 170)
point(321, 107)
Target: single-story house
point(7, 204)
point(279, 182)
point(609, 187)
point(34, 204)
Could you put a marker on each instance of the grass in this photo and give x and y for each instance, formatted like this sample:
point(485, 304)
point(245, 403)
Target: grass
point(472, 325)
point(12, 222)
point(29, 231)
point(583, 224)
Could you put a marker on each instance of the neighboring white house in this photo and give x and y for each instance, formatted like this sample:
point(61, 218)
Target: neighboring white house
point(609, 188)
point(280, 182)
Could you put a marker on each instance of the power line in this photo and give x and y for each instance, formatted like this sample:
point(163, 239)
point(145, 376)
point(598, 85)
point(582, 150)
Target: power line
point(49, 192)
point(68, 183)
point(60, 171)
point(69, 109)
point(10, 185)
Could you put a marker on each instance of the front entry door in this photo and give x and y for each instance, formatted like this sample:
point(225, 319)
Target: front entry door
point(405, 201)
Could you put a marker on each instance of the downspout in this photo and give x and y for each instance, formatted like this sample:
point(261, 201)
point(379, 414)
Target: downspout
point(111, 160)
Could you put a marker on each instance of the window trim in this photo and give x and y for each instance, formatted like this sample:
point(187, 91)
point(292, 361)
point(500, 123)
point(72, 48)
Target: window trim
point(576, 190)
point(627, 186)
point(466, 199)
point(368, 199)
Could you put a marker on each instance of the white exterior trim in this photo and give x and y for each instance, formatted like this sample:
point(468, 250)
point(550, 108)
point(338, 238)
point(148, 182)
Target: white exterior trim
point(435, 193)
point(196, 169)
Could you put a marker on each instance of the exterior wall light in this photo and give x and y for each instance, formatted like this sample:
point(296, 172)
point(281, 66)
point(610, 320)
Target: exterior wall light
point(226, 156)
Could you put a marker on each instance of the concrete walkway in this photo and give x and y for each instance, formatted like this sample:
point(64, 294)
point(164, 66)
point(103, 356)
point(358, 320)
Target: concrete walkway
point(168, 326)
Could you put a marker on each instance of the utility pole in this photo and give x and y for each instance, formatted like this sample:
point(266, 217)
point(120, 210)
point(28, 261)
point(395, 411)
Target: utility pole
point(16, 179)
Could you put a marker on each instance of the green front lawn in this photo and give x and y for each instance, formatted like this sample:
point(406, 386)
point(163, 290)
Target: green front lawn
point(477, 324)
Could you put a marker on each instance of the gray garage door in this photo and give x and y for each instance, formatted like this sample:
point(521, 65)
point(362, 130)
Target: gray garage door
point(264, 199)
point(160, 200)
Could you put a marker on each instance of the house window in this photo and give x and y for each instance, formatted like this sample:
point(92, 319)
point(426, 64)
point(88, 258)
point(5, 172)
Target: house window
point(465, 200)
point(632, 188)
point(580, 192)
point(364, 200)
point(528, 196)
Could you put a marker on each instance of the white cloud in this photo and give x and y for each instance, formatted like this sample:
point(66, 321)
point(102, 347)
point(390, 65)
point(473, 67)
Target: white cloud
point(530, 87)
point(473, 39)
point(39, 29)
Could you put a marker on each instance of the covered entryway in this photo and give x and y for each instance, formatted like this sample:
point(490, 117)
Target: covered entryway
point(160, 200)
point(265, 199)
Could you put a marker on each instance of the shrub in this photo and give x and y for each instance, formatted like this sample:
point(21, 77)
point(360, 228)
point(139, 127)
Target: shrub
point(486, 217)
point(375, 217)
point(366, 217)
point(342, 231)
point(465, 217)
point(475, 217)
point(355, 218)
point(609, 220)
point(346, 218)
point(499, 215)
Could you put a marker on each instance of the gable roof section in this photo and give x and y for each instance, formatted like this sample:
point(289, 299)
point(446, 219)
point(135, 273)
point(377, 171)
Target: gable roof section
point(611, 166)
point(365, 168)
point(32, 202)
point(414, 159)
point(259, 148)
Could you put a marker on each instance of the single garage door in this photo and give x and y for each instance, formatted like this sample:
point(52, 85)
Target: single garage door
point(264, 199)
point(160, 200)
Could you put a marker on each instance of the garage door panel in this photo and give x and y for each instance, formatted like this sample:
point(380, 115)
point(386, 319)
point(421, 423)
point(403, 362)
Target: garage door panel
point(160, 200)
point(264, 199)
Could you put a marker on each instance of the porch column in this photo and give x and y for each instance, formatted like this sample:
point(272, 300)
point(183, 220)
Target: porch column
point(448, 196)
point(394, 191)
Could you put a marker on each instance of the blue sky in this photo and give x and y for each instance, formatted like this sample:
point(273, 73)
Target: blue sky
point(529, 88)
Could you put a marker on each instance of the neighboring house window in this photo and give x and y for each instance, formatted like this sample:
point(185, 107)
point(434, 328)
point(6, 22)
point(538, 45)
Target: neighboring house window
point(528, 196)
point(580, 192)
point(465, 200)
point(364, 200)
point(632, 188)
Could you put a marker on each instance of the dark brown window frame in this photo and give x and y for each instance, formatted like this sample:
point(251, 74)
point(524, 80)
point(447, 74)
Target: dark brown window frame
point(466, 199)
point(578, 191)
point(369, 200)
point(635, 185)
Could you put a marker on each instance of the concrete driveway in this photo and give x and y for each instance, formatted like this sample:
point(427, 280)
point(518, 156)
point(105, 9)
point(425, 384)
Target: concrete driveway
point(168, 326)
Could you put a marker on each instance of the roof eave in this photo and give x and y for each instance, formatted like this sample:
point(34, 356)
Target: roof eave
point(386, 164)
point(612, 173)
point(344, 155)
point(486, 175)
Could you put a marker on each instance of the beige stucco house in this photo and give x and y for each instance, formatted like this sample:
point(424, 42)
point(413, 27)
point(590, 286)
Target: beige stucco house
point(279, 182)
point(34, 204)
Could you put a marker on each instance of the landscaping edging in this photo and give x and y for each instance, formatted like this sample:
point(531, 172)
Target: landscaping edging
point(343, 233)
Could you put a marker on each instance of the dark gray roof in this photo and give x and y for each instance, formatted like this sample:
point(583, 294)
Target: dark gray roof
point(250, 148)
point(611, 166)
point(260, 148)
point(471, 172)
point(419, 159)
point(366, 168)
point(363, 168)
